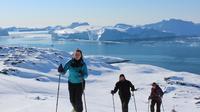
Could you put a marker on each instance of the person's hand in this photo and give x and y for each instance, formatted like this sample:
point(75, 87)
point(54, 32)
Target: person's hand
point(134, 90)
point(80, 74)
point(149, 98)
point(61, 69)
point(132, 94)
point(81, 79)
point(112, 92)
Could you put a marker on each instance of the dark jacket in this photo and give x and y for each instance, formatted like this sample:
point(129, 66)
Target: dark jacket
point(156, 93)
point(124, 88)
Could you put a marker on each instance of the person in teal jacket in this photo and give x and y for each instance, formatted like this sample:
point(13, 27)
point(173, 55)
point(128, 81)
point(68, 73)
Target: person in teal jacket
point(78, 72)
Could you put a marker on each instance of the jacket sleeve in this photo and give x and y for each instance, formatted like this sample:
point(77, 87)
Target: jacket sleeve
point(116, 88)
point(151, 94)
point(160, 92)
point(131, 86)
point(84, 71)
point(67, 66)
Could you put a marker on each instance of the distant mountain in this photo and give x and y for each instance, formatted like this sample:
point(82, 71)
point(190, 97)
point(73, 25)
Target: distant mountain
point(119, 32)
point(123, 26)
point(148, 33)
point(3, 32)
point(77, 24)
point(166, 29)
point(176, 26)
point(26, 29)
point(11, 29)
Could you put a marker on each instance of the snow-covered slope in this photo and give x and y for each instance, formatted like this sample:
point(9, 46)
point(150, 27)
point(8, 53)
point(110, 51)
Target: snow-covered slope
point(28, 83)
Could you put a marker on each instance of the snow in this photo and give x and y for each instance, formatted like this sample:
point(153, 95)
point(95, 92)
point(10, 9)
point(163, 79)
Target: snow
point(78, 29)
point(107, 33)
point(29, 83)
point(166, 29)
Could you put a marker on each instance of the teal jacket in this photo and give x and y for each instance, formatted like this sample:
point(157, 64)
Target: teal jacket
point(77, 71)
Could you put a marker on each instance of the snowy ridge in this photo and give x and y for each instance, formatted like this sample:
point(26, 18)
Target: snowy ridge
point(166, 29)
point(118, 32)
point(28, 83)
point(163, 30)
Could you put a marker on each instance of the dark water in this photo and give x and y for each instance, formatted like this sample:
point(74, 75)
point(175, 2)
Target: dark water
point(177, 55)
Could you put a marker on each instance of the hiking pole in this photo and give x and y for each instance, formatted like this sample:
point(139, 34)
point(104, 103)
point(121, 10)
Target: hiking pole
point(58, 92)
point(134, 101)
point(148, 105)
point(162, 104)
point(163, 107)
point(113, 102)
point(84, 98)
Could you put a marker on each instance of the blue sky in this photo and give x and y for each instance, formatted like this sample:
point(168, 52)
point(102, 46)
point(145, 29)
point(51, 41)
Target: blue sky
point(98, 12)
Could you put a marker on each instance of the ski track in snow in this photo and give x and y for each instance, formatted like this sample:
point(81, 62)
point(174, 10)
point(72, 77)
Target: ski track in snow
point(30, 88)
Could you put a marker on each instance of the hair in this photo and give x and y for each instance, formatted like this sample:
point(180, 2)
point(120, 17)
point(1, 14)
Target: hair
point(78, 50)
point(154, 83)
point(122, 75)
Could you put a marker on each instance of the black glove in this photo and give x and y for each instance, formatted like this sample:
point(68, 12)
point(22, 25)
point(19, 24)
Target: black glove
point(112, 92)
point(61, 69)
point(134, 90)
point(81, 74)
point(149, 98)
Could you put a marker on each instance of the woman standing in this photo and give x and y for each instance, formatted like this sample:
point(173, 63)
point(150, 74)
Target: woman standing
point(156, 97)
point(78, 72)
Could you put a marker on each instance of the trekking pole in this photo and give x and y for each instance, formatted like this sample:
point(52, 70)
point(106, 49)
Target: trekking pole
point(113, 102)
point(163, 107)
point(84, 98)
point(58, 92)
point(148, 105)
point(134, 101)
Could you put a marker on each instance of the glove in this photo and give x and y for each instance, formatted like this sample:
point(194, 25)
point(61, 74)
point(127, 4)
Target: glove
point(134, 90)
point(149, 98)
point(80, 74)
point(60, 69)
point(132, 94)
point(82, 79)
point(112, 92)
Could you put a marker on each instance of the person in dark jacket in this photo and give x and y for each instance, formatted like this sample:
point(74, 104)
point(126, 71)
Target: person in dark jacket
point(156, 97)
point(78, 72)
point(124, 86)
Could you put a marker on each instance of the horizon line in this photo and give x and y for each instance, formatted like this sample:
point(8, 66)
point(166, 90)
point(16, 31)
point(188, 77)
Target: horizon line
point(54, 25)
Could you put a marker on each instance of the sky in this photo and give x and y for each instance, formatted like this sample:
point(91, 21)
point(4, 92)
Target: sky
point(39, 13)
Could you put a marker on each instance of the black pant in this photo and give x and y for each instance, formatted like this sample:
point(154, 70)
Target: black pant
point(125, 101)
point(75, 94)
point(158, 104)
